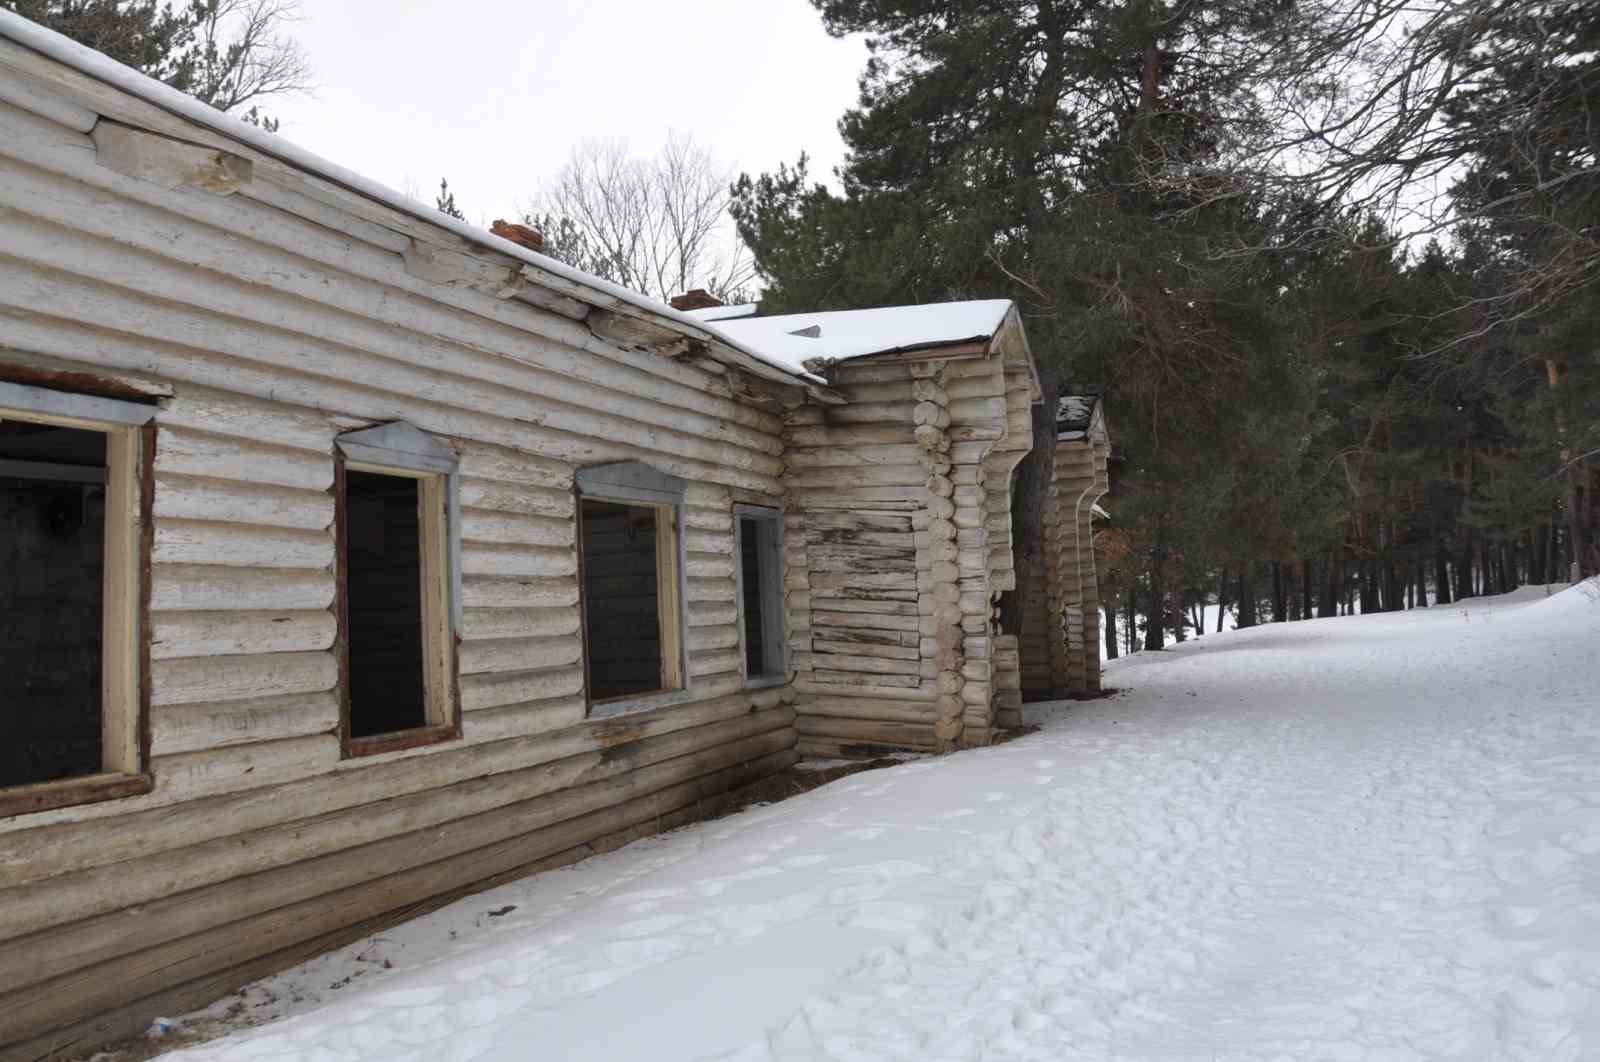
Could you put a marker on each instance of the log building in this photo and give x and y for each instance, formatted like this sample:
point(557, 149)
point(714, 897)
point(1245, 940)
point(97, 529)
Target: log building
point(1061, 618)
point(355, 559)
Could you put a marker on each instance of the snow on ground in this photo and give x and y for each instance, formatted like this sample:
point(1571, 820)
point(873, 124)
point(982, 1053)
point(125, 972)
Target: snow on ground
point(1371, 838)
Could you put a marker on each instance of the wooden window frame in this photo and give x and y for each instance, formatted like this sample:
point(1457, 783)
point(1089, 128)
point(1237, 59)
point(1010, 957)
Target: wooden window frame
point(406, 452)
point(637, 484)
point(129, 428)
point(770, 560)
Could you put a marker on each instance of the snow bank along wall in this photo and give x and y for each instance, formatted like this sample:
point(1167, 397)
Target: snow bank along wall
point(302, 416)
point(1061, 618)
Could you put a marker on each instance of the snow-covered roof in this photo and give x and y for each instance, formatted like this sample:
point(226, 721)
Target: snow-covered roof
point(719, 313)
point(794, 338)
point(102, 68)
point(1074, 412)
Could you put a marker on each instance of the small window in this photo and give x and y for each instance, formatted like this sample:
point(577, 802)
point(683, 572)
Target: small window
point(398, 568)
point(760, 543)
point(632, 600)
point(71, 518)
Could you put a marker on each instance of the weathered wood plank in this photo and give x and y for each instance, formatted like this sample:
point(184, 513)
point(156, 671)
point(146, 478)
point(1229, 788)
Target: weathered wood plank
point(231, 678)
point(193, 453)
point(495, 591)
point(180, 634)
point(192, 728)
point(240, 545)
point(497, 688)
point(206, 587)
point(518, 654)
point(484, 623)
point(189, 497)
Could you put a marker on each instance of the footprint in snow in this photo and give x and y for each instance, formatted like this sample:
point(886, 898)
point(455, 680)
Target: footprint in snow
point(646, 894)
point(794, 862)
point(646, 927)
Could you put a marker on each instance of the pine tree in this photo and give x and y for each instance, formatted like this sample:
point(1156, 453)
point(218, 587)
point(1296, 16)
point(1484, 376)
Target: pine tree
point(445, 201)
point(145, 34)
point(1534, 188)
point(228, 54)
point(1066, 156)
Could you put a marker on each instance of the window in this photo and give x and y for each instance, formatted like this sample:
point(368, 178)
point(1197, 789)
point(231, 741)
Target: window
point(629, 519)
point(72, 523)
point(398, 591)
point(760, 545)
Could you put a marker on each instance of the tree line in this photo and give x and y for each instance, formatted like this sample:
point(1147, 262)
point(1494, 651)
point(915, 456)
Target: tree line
point(1331, 264)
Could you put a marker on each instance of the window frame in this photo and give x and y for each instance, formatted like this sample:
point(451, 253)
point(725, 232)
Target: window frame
point(634, 483)
point(130, 431)
point(769, 556)
point(403, 451)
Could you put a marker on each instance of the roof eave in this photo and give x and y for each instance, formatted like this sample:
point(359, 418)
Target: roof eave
point(537, 269)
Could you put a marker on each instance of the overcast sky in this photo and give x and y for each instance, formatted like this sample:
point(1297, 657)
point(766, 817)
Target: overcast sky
point(493, 94)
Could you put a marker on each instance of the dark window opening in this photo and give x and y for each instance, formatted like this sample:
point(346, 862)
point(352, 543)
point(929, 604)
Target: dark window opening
point(622, 599)
point(383, 593)
point(754, 625)
point(52, 593)
point(761, 600)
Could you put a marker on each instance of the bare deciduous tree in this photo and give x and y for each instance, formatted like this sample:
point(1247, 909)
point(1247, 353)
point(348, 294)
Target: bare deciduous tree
point(659, 226)
point(241, 56)
point(1432, 114)
point(229, 53)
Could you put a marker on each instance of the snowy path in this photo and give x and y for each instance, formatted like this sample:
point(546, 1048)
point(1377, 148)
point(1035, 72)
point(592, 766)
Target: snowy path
point(1374, 838)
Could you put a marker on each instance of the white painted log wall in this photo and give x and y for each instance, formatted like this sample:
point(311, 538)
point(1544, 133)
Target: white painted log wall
point(276, 329)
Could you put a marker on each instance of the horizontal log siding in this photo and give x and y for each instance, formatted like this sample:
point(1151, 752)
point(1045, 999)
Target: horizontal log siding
point(1005, 657)
point(857, 567)
point(277, 318)
point(977, 390)
point(1080, 481)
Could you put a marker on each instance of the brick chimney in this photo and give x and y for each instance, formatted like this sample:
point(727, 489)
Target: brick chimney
point(518, 234)
point(698, 299)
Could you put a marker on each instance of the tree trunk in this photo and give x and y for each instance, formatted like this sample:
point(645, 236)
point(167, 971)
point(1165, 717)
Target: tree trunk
point(1421, 568)
point(1280, 607)
point(1155, 628)
point(1308, 579)
point(1464, 571)
point(1132, 615)
point(1179, 610)
point(1111, 629)
point(1222, 597)
point(1369, 588)
point(1247, 600)
point(1575, 551)
point(1575, 543)
point(1441, 576)
point(1328, 603)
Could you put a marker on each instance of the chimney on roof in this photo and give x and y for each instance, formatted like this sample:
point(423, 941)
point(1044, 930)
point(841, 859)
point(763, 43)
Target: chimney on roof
point(518, 234)
point(698, 299)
